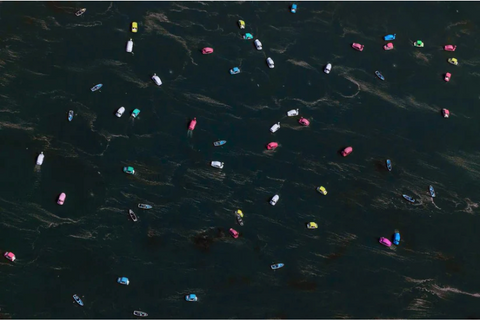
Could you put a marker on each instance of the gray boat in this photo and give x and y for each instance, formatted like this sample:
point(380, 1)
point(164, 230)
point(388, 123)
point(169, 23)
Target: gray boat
point(140, 313)
point(144, 206)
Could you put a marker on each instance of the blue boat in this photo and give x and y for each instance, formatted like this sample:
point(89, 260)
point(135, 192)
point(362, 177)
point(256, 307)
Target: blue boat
point(277, 266)
point(144, 206)
point(408, 198)
point(248, 36)
point(191, 298)
point(234, 71)
point(96, 87)
point(390, 37)
point(389, 165)
point(123, 280)
point(293, 9)
point(219, 143)
point(70, 115)
point(78, 300)
point(379, 75)
point(432, 191)
point(396, 237)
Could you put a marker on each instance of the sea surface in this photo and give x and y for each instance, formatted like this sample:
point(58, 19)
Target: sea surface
point(49, 60)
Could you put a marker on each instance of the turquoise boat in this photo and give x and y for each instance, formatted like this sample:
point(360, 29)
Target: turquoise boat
point(277, 266)
point(135, 112)
point(96, 87)
point(129, 170)
point(248, 36)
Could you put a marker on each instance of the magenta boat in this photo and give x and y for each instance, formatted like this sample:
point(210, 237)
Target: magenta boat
point(450, 47)
point(193, 123)
point(357, 46)
point(234, 233)
point(445, 113)
point(272, 145)
point(385, 242)
point(303, 121)
point(207, 50)
point(347, 151)
point(10, 256)
point(388, 46)
point(447, 77)
point(61, 199)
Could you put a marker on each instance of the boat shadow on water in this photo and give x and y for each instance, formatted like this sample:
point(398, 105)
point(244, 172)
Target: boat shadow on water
point(205, 239)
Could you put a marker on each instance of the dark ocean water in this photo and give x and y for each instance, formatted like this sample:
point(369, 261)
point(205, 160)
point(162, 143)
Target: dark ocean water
point(50, 59)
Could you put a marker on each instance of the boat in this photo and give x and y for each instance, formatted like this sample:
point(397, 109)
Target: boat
point(140, 314)
point(389, 165)
point(217, 164)
point(96, 87)
point(156, 79)
point(61, 199)
point(385, 241)
point(10, 256)
point(70, 115)
point(388, 46)
point(447, 77)
point(275, 127)
point(123, 280)
point(130, 45)
point(135, 112)
point(258, 44)
point(357, 46)
point(293, 8)
point(408, 198)
point(192, 124)
point(133, 216)
point(219, 143)
point(78, 300)
point(134, 27)
point(419, 44)
point(304, 122)
point(191, 298)
point(274, 199)
point(453, 61)
point(120, 112)
point(347, 151)
point(396, 237)
point(277, 266)
point(207, 50)
point(322, 190)
point(450, 48)
point(144, 206)
point(293, 112)
point(248, 36)
point(40, 159)
point(129, 170)
point(390, 37)
point(432, 191)
point(233, 233)
point(239, 217)
point(272, 145)
point(80, 12)
point(379, 75)
point(312, 225)
point(445, 113)
point(241, 24)
point(234, 71)
point(327, 68)
point(270, 63)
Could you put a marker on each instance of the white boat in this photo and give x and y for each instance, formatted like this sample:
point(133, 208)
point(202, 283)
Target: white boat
point(293, 112)
point(328, 68)
point(270, 63)
point(120, 111)
point(274, 199)
point(258, 44)
point(40, 159)
point(130, 45)
point(216, 164)
point(156, 79)
point(275, 127)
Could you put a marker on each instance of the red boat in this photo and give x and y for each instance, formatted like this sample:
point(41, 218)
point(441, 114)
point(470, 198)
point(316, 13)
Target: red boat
point(450, 47)
point(357, 46)
point(234, 233)
point(303, 121)
point(272, 145)
point(347, 151)
point(445, 113)
point(9, 256)
point(388, 46)
point(193, 123)
point(447, 76)
point(207, 50)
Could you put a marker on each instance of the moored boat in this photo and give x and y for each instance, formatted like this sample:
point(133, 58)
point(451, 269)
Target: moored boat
point(322, 190)
point(379, 75)
point(277, 266)
point(270, 63)
point(445, 113)
point(274, 199)
point(140, 314)
point(80, 12)
point(10, 256)
point(61, 199)
point(272, 145)
point(388, 46)
point(120, 112)
point(78, 300)
point(293, 8)
point(134, 27)
point(234, 71)
point(233, 233)
point(304, 122)
point(191, 298)
point(239, 217)
point(275, 127)
point(96, 87)
point(450, 48)
point(385, 241)
point(123, 280)
point(432, 191)
point(408, 198)
point(293, 112)
point(40, 159)
point(156, 79)
point(312, 225)
point(241, 24)
point(389, 165)
point(347, 151)
point(219, 143)
point(447, 77)
point(70, 115)
point(135, 112)
point(207, 50)
point(390, 37)
point(396, 237)
point(129, 170)
point(357, 46)
point(453, 61)
point(192, 124)
point(130, 45)
point(248, 36)
point(328, 68)
point(144, 206)
point(217, 164)
point(258, 44)
point(133, 216)
point(419, 44)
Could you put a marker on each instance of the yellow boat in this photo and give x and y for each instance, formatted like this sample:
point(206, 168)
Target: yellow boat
point(322, 190)
point(241, 24)
point(453, 61)
point(134, 27)
point(312, 225)
point(239, 213)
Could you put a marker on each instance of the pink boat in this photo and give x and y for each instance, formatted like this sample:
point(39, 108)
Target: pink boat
point(234, 233)
point(357, 46)
point(61, 199)
point(303, 121)
point(347, 151)
point(385, 242)
point(10, 256)
point(193, 123)
point(450, 47)
point(388, 46)
point(445, 113)
point(207, 50)
point(272, 145)
point(447, 77)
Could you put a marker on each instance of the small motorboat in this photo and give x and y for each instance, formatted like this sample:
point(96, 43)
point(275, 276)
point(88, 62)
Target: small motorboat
point(123, 280)
point(322, 190)
point(219, 143)
point(61, 199)
point(447, 77)
point(40, 159)
point(390, 37)
point(277, 266)
point(293, 8)
point(258, 44)
point(270, 63)
point(385, 241)
point(239, 217)
point(129, 170)
point(192, 124)
point(327, 68)
point(293, 112)
point(156, 79)
point(274, 199)
point(120, 112)
point(96, 87)
point(275, 127)
point(144, 206)
point(453, 61)
point(432, 191)
point(396, 237)
point(233, 233)
point(80, 12)
point(445, 113)
point(241, 24)
point(312, 225)
point(408, 198)
point(389, 165)
point(135, 112)
point(388, 46)
point(379, 75)
point(70, 115)
point(449, 47)
point(304, 122)
point(207, 50)
point(248, 36)
point(78, 300)
point(217, 164)
point(191, 297)
point(134, 27)
point(129, 45)
point(357, 46)
point(234, 71)
point(272, 145)
point(10, 256)
point(133, 216)
point(140, 314)
point(347, 151)
point(419, 44)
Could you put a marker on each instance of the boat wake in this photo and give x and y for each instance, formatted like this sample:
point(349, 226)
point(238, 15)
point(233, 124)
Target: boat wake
point(190, 133)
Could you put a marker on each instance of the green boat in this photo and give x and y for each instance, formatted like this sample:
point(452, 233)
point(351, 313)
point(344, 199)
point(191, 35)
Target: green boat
point(135, 112)
point(419, 44)
point(129, 170)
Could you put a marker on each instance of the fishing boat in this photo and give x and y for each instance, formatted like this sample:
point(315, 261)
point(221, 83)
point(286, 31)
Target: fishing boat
point(239, 217)
point(156, 79)
point(144, 206)
point(450, 48)
point(241, 24)
point(385, 241)
point(272, 145)
point(277, 266)
point(312, 225)
point(120, 111)
point(357, 46)
point(347, 151)
point(219, 143)
point(453, 61)
point(10, 256)
point(129, 45)
point(80, 12)
point(447, 77)
point(134, 27)
point(258, 44)
point(419, 44)
point(396, 237)
point(192, 124)
point(140, 314)
point(328, 68)
point(445, 113)
point(303, 121)
point(129, 170)
point(408, 198)
point(293, 112)
point(379, 75)
point(275, 127)
point(70, 115)
point(322, 190)
point(133, 216)
point(123, 280)
point(78, 300)
point(248, 36)
point(388, 46)
point(135, 112)
point(270, 63)
point(96, 87)
point(389, 165)
point(191, 298)
point(432, 191)
point(234, 71)
point(207, 50)
point(61, 199)
point(274, 200)
point(293, 8)
point(40, 158)
point(217, 164)
point(390, 37)
point(233, 233)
